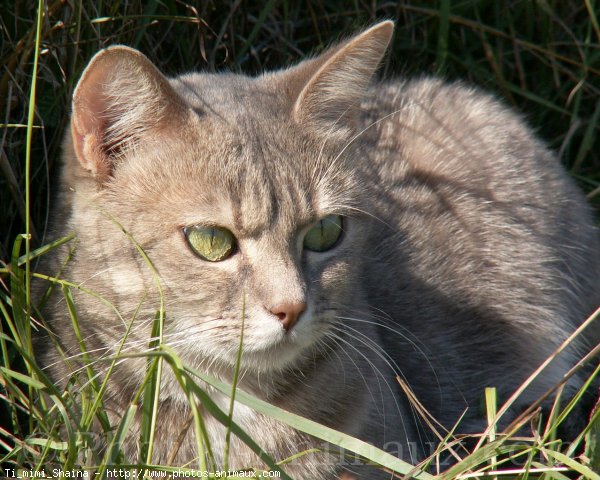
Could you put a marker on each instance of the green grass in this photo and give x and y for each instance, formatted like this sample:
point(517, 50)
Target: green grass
point(541, 57)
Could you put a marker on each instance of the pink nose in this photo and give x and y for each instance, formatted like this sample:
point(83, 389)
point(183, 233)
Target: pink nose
point(288, 313)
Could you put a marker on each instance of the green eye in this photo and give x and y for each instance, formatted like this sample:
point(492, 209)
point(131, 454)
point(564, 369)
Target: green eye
point(324, 234)
point(210, 243)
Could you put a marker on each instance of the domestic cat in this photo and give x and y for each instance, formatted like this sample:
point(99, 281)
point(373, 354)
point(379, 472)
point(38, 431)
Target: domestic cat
point(353, 230)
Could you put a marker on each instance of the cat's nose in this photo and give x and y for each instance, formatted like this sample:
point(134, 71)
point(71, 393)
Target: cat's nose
point(288, 313)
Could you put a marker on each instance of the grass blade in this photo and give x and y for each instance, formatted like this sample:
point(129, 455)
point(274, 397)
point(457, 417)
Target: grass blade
point(573, 464)
point(316, 430)
point(236, 375)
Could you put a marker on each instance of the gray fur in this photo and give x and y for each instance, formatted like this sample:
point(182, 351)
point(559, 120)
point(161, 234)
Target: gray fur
point(468, 254)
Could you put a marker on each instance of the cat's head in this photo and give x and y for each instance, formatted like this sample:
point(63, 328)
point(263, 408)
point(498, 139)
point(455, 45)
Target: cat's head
point(244, 193)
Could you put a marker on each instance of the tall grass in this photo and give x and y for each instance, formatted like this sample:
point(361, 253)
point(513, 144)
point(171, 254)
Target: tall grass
point(541, 57)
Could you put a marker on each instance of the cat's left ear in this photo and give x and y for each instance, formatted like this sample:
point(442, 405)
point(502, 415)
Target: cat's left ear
point(328, 89)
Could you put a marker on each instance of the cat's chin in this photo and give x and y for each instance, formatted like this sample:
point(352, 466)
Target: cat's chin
point(275, 358)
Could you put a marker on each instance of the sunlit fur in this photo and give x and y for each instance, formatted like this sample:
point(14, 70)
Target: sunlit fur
point(467, 254)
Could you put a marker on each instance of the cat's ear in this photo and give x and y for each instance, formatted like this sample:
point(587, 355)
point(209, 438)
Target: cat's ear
point(119, 101)
point(333, 85)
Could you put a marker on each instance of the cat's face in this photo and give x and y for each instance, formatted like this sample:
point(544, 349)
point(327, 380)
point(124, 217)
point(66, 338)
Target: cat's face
point(240, 226)
point(243, 194)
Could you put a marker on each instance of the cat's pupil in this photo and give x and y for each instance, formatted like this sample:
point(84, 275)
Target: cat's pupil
point(210, 242)
point(324, 234)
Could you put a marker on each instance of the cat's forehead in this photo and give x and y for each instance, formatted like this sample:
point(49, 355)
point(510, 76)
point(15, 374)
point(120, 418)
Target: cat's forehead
point(229, 97)
point(241, 177)
point(264, 182)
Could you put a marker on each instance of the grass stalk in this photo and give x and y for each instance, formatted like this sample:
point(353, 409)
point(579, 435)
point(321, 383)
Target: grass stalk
point(30, 121)
point(491, 411)
point(236, 376)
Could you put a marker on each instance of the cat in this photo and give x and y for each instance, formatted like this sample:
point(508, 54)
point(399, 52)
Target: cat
point(359, 230)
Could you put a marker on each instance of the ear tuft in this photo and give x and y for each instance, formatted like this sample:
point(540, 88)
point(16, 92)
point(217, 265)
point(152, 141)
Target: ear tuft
point(120, 98)
point(330, 98)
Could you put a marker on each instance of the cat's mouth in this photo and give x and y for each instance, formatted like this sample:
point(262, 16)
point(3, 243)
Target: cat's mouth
point(269, 346)
point(266, 345)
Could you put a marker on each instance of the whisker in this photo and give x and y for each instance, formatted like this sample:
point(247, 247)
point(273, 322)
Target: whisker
point(402, 335)
point(380, 375)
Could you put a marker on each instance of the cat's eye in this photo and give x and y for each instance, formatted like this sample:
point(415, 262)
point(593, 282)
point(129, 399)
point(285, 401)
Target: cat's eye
point(324, 234)
point(210, 243)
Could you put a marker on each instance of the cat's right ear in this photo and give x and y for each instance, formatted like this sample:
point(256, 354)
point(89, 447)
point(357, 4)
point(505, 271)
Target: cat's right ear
point(120, 100)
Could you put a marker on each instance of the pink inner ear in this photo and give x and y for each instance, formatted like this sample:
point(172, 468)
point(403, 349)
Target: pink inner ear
point(85, 141)
point(87, 131)
point(89, 151)
point(89, 122)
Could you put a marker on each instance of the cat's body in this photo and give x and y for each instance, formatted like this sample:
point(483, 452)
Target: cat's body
point(466, 255)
